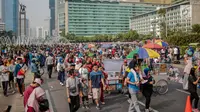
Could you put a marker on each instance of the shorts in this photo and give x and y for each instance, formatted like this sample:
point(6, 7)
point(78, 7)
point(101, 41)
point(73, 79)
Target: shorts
point(96, 93)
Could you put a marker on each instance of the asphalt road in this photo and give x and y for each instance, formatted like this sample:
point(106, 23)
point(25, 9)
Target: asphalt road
point(173, 101)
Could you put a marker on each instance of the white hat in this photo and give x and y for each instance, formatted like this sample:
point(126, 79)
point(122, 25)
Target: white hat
point(38, 80)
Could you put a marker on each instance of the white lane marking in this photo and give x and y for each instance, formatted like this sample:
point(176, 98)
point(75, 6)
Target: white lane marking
point(184, 91)
point(149, 107)
point(49, 99)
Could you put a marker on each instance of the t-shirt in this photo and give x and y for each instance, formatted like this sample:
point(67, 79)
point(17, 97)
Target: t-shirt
point(96, 77)
point(133, 80)
point(4, 76)
point(191, 86)
point(85, 89)
point(71, 83)
point(175, 51)
point(49, 60)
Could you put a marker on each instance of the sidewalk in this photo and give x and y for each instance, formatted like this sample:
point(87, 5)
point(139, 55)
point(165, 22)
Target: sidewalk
point(14, 99)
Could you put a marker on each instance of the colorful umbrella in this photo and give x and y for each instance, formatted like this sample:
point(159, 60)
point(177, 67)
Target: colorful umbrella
point(152, 46)
point(91, 45)
point(161, 43)
point(143, 53)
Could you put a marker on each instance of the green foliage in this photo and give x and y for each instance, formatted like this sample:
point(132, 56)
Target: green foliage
point(196, 28)
point(162, 12)
point(129, 36)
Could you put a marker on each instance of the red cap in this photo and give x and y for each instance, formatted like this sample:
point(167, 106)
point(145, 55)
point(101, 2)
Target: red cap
point(125, 61)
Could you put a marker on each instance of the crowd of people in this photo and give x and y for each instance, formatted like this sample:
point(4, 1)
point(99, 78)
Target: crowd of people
point(82, 71)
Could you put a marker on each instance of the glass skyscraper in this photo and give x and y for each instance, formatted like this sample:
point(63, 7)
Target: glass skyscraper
point(52, 16)
point(10, 14)
point(87, 18)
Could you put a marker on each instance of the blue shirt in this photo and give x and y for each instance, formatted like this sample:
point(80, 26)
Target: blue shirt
point(132, 79)
point(34, 68)
point(96, 77)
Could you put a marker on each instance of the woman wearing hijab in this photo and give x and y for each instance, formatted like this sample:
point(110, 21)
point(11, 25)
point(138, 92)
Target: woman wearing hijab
point(34, 94)
point(147, 88)
point(61, 71)
point(188, 62)
point(192, 88)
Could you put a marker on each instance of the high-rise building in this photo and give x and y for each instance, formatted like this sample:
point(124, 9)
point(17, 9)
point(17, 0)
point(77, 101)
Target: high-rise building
point(40, 33)
point(157, 1)
point(24, 32)
point(32, 33)
point(178, 16)
point(46, 33)
point(52, 16)
point(60, 15)
point(91, 17)
point(10, 14)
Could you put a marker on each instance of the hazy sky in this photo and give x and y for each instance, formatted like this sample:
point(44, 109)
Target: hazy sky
point(37, 12)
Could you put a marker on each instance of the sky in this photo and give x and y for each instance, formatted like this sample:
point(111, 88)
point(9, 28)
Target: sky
point(37, 12)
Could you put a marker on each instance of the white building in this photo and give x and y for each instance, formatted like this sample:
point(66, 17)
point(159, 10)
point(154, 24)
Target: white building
point(32, 32)
point(40, 33)
point(182, 15)
point(46, 33)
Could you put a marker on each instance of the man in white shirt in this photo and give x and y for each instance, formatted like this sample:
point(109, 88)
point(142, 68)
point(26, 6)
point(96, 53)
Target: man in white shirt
point(49, 63)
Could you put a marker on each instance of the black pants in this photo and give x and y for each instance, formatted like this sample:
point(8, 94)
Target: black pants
point(147, 94)
point(11, 80)
point(75, 103)
point(85, 100)
point(49, 69)
point(194, 95)
point(20, 83)
point(5, 87)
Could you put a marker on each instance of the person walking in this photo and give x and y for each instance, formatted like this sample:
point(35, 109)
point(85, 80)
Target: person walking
point(49, 63)
point(73, 91)
point(4, 77)
point(11, 76)
point(133, 80)
point(19, 73)
point(147, 88)
point(188, 62)
point(192, 88)
point(61, 71)
point(96, 78)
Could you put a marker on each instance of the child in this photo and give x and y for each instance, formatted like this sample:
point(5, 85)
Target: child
point(84, 95)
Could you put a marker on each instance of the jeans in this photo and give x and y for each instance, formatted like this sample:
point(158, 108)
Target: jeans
point(194, 95)
point(49, 69)
point(20, 83)
point(75, 103)
point(61, 76)
point(102, 93)
point(134, 101)
point(5, 87)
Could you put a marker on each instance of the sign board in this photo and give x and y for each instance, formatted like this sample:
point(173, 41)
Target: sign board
point(185, 11)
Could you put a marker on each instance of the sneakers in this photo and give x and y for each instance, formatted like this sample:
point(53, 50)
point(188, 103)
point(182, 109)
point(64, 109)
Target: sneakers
point(98, 107)
point(103, 103)
point(129, 100)
point(195, 110)
point(147, 110)
point(87, 107)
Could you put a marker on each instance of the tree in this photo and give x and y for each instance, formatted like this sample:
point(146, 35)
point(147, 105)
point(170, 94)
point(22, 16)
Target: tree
point(196, 28)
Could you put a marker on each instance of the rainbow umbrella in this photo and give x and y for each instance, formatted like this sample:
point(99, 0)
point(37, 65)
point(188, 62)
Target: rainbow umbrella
point(143, 53)
point(161, 43)
point(152, 46)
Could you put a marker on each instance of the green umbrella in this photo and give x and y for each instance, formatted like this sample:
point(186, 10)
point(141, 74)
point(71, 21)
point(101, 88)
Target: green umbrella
point(90, 54)
point(132, 53)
